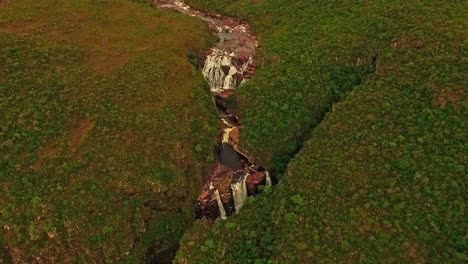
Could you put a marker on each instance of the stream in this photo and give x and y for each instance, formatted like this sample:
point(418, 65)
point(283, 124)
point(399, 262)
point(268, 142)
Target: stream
point(227, 65)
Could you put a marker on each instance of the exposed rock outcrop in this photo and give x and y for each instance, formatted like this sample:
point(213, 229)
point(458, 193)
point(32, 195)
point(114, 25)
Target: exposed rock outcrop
point(227, 65)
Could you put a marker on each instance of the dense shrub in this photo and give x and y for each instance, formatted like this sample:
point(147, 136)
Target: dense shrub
point(382, 177)
point(100, 119)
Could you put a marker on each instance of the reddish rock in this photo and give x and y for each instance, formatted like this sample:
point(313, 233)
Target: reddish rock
point(219, 172)
point(254, 180)
point(225, 94)
point(234, 135)
point(207, 207)
point(250, 72)
point(238, 77)
point(223, 185)
point(230, 22)
point(225, 69)
point(240, 59)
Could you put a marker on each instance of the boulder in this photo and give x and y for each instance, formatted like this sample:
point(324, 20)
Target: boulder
point(254, 180)
point(219, 172)
point(207, 207)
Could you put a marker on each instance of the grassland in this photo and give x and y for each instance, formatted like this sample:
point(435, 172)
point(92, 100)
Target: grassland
point(105, 128)
point(372, 98)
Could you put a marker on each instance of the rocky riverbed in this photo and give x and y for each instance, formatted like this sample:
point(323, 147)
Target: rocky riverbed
point(229, 64)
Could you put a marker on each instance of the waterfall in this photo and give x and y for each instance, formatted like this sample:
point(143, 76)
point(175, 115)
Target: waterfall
point(230, 82)
point(222, 211)
point(226, 133)
point(227, 66)
point(220, 70)
point(267, 179)
point(213, 70)
point(239, 192)
point(225, 122)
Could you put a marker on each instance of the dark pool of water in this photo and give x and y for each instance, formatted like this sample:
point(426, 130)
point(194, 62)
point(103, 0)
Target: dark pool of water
point(230, 158)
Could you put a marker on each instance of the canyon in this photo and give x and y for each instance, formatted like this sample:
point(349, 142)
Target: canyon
point(227, 65)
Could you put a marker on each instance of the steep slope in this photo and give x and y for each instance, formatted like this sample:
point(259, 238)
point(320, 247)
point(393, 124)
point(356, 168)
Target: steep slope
point(382, 177)
point(105, 128)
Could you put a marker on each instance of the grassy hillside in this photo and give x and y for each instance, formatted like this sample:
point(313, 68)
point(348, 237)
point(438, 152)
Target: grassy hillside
point(104, 129)
point(382, 178)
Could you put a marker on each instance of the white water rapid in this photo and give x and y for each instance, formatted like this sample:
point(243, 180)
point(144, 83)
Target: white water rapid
point(222, 211)
point(221, 71)
point(226, 133)
point(239, 192)
point(268, 182)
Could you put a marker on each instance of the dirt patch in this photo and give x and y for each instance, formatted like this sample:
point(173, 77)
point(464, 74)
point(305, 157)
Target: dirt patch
point(4, 3)
point(78, 134)
point(414, 253)
point(50, 151)
point(450, 97)
point(21, 28)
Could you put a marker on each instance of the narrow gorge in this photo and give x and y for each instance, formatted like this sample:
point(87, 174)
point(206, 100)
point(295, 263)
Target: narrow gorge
point(227, 65)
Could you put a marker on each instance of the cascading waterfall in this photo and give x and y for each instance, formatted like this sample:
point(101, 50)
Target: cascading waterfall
point(268, 182)
point(222, 211)
point(213, 69)
point(239, 192)
point(220, 70)
point(226, 134)
point(227, 66)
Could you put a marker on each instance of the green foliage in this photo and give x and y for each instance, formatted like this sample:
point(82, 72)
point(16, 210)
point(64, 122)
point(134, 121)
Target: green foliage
point(297, 200)
point(162, 174)
point(381, 178)
point(96, 156)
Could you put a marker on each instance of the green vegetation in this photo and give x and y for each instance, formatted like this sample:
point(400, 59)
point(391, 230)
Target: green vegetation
point(105, 129)
point(382, 178)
